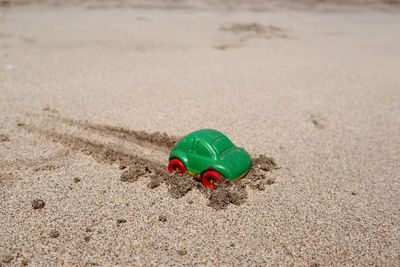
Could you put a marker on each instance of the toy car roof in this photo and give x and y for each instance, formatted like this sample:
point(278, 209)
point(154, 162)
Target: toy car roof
point(218, 141)
point(208, 135)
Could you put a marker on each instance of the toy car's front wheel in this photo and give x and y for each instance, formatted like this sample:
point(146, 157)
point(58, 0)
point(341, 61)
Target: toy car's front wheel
point(176, 165)
point(211, 178)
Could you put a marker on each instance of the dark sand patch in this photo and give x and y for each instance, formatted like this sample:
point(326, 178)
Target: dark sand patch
point(119, 221)
point(7, 259)
point(5, 3)
point(246, 31)
point(227, 193)
point(318, 121)
point(4, 138)
point(162, 218)
point(249, 30)
point(38, 204)
point(179, 185)
point(54, 234)
point(46, 167)
point(50, 110)
point(182, 252)
point(260, 176)
point(317, 124)
point(100, 152)
point(133, 173)
point(154, 183)
point(239, 28)
point(226, 46)
point(156, 138)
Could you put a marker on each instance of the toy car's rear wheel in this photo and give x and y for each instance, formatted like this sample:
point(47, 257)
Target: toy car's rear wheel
point(211, 178)
point(176, 165)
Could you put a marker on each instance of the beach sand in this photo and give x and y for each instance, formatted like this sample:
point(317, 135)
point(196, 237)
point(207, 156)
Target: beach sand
point(93, 95)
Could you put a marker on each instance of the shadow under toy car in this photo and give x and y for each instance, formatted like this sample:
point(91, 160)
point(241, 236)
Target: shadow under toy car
point(210, 156)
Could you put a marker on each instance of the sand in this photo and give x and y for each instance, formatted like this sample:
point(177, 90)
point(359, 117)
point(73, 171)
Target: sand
point(93, 96)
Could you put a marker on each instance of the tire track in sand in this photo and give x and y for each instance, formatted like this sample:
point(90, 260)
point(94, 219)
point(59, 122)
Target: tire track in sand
point(146, 157)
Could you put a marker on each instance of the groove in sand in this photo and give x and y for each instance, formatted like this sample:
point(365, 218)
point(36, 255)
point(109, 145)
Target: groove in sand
point(135, 167)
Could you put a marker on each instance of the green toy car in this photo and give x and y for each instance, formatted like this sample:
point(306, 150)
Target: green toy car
point(210, 156)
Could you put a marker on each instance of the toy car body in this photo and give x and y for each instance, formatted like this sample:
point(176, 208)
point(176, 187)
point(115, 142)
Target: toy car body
point(210, 156)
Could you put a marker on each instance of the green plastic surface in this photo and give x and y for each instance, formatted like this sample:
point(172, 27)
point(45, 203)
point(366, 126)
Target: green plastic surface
point(209, 149)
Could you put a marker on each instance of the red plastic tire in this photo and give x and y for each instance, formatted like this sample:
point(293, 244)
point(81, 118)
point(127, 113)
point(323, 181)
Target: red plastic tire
point(211, 178)
point(176, 165)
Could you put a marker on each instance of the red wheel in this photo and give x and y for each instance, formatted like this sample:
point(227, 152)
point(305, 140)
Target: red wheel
point(176, 165)
point(211, 178)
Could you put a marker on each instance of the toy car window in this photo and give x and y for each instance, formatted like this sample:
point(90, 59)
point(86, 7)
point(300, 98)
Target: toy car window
point(203, 150)
point(222, 144)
